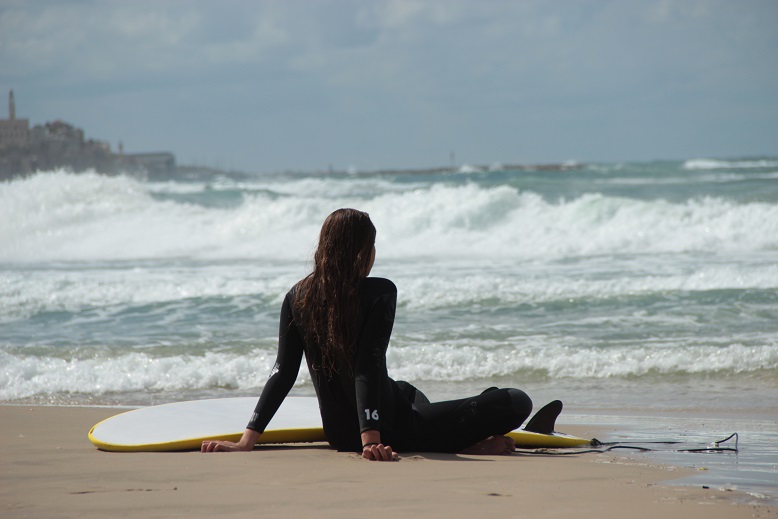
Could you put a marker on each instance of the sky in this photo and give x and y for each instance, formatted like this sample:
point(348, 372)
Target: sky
point(309, 85)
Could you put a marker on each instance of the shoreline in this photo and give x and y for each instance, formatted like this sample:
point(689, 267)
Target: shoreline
point(50, 469)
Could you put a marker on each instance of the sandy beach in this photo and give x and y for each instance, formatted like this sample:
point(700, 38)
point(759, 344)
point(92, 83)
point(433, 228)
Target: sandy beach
point(50, 470)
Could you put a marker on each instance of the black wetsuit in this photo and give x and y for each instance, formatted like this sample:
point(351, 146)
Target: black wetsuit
point(369, 399)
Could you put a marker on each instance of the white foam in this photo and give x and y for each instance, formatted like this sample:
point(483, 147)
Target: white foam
point(64, 217)
point(421, 287)
point(137, 371)
point(26, 376)
point(432, 290)
point(75, 290)
point(470, 221)
point(466, 168)
point(453, 361)
point(693, 164)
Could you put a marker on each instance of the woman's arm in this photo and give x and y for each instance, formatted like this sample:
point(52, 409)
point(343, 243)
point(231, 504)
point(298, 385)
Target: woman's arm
point(281, 380)
point(370, 374)
point(370, 365)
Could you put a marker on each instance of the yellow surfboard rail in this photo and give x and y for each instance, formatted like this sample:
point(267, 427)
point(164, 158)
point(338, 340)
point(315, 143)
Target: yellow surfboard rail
point(308, 435)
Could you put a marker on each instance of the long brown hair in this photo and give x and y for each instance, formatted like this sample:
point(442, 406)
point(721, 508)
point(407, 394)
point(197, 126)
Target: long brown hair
point(328, 298)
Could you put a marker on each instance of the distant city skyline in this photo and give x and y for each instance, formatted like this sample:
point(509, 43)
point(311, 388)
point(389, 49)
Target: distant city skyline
point(274, 86)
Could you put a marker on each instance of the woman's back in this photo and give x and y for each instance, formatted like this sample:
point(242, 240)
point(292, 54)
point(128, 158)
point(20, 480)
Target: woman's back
point(358, 394)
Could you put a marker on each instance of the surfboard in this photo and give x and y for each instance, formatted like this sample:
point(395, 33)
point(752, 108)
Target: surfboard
point(185, 425)
point(181, 426)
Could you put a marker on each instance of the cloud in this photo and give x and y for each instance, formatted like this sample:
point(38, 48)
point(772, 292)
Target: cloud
point(108, 40)
point(401, 74)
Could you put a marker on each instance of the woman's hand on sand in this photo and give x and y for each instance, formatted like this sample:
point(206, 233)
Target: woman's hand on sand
point(223, 446)
point(379, 452)
point(246, 443)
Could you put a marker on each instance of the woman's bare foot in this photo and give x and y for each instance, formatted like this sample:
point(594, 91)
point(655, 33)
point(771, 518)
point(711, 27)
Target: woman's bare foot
point(491, 446)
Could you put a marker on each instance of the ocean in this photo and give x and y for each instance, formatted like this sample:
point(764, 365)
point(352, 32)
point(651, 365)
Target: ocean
point(641, 294)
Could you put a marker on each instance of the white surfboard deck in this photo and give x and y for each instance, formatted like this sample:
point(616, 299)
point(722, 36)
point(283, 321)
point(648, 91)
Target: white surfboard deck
point(185, 425)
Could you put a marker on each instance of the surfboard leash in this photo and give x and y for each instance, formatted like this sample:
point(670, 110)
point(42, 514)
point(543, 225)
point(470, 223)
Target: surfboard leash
point(715, 447)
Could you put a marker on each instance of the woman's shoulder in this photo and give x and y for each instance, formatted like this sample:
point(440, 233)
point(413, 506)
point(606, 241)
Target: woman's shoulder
point(296, 291)
point(379, 285)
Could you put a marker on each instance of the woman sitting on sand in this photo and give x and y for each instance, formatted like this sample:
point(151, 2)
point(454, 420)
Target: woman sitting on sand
point(341, 319)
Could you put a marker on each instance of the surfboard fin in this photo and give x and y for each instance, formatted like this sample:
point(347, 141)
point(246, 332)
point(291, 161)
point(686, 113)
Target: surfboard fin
point(544, 420)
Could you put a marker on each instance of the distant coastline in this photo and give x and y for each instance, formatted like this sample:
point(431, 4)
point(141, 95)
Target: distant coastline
point(25, 150)
point(415, 171)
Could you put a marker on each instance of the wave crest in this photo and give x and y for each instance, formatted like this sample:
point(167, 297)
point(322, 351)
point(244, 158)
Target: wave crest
point(28, 376)
point(88, 217)
point(696, 164)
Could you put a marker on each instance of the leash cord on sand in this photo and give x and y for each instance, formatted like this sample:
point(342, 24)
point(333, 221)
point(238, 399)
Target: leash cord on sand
point(712, 447)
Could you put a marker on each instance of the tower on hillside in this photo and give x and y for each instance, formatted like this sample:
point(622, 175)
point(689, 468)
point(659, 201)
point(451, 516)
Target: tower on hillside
point(14, 133)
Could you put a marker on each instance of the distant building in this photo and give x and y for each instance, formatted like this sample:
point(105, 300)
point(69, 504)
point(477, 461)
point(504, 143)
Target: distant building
point(14, 133)
point(61, 145)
